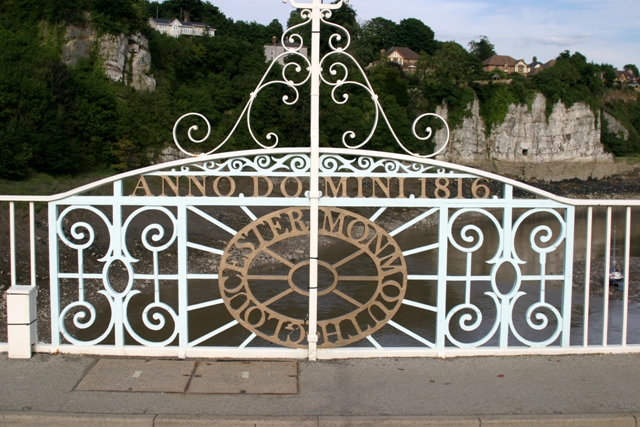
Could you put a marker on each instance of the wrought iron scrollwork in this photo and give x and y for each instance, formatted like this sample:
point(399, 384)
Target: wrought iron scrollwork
point(539, 315)
point(289, 71)
point(338, 78)
point(473, 236)
point(83, 312)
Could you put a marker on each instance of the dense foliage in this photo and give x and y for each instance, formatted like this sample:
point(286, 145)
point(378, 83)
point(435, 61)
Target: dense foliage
point(571, 80)
point(64, 120)
point(482, 49)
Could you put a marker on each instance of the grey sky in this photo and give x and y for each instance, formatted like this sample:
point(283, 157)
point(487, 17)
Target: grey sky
point(603, 31)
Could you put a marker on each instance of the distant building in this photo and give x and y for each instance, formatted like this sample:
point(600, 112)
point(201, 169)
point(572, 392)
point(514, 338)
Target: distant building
point(274, 50)
point(626, 79)
point(623, 79)
point(176, 28)
point(506, 64)
point(535, 64)
point(541, 67)
point(403, 56)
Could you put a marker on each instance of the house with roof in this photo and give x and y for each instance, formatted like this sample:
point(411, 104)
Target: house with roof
point(539, 67)
point(505, 63)
point(535, 64)
point(273, 51)
point(177, 28)
point(624, 78)
point(403, 56)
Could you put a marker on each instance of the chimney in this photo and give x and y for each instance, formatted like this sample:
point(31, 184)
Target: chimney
point(186, 16)
point(274, 40)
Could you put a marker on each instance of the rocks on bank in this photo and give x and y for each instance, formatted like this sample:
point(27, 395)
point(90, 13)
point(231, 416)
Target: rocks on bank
point(125, 58)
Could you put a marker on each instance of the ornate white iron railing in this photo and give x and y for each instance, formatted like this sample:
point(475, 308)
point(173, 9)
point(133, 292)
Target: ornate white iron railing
point(315, 252)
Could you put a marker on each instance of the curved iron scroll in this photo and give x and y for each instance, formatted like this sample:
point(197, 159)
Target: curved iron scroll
point(293, 76)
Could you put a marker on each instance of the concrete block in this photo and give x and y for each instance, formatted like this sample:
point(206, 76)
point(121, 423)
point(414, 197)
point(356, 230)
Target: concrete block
point(52, 419)
point(560, 420)
point(21, 321)
point(21, 339)
point(408, 421)
point(213, 421)
point(21, 305)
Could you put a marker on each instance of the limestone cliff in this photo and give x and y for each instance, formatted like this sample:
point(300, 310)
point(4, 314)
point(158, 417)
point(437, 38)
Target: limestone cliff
point(614, 126)
point(527, 145)
point(125, 58)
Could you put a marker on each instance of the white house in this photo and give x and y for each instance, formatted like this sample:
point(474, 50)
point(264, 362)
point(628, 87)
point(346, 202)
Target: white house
point(403, 56)
point(275, 49)
point(506, 64)
point(176, 28)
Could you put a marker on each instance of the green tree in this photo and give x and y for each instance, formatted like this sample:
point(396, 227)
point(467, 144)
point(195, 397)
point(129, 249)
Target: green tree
point(451, 65)
point(379, 33)
point(372, 37)
point(571, 80)
point(417, 36)
point(609, 75)
point(482, 49)
point(116, 16)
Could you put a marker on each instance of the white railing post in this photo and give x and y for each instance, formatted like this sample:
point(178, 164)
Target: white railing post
point(443, 239)
point(605, 285)
point(314, 193)
point(22, 313)
point(567, 292)
point(21, 321)
point(587, 277)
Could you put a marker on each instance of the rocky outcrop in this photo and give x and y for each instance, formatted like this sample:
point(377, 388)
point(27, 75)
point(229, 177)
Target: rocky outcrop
point(527, 145)
point(78, 44)
point(616, 127)
point(125, 58)
point(170, 154)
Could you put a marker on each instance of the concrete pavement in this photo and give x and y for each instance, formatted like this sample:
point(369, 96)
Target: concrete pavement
point(593, 390)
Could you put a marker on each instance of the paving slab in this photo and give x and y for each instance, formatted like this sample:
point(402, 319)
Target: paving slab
point(50, 419)
point(398, 421)
point(225, 377)
point(208, 421)
point(561, 420)
point(478, 387)
point(43, 383)
point(138, 375)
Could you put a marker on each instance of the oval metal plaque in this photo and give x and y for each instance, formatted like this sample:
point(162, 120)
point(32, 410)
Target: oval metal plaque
point(366, 277)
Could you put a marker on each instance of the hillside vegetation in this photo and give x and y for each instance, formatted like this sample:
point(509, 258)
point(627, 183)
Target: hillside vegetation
point(62, 120)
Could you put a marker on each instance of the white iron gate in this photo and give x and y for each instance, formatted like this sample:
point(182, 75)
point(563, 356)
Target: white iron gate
point(319, 253)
